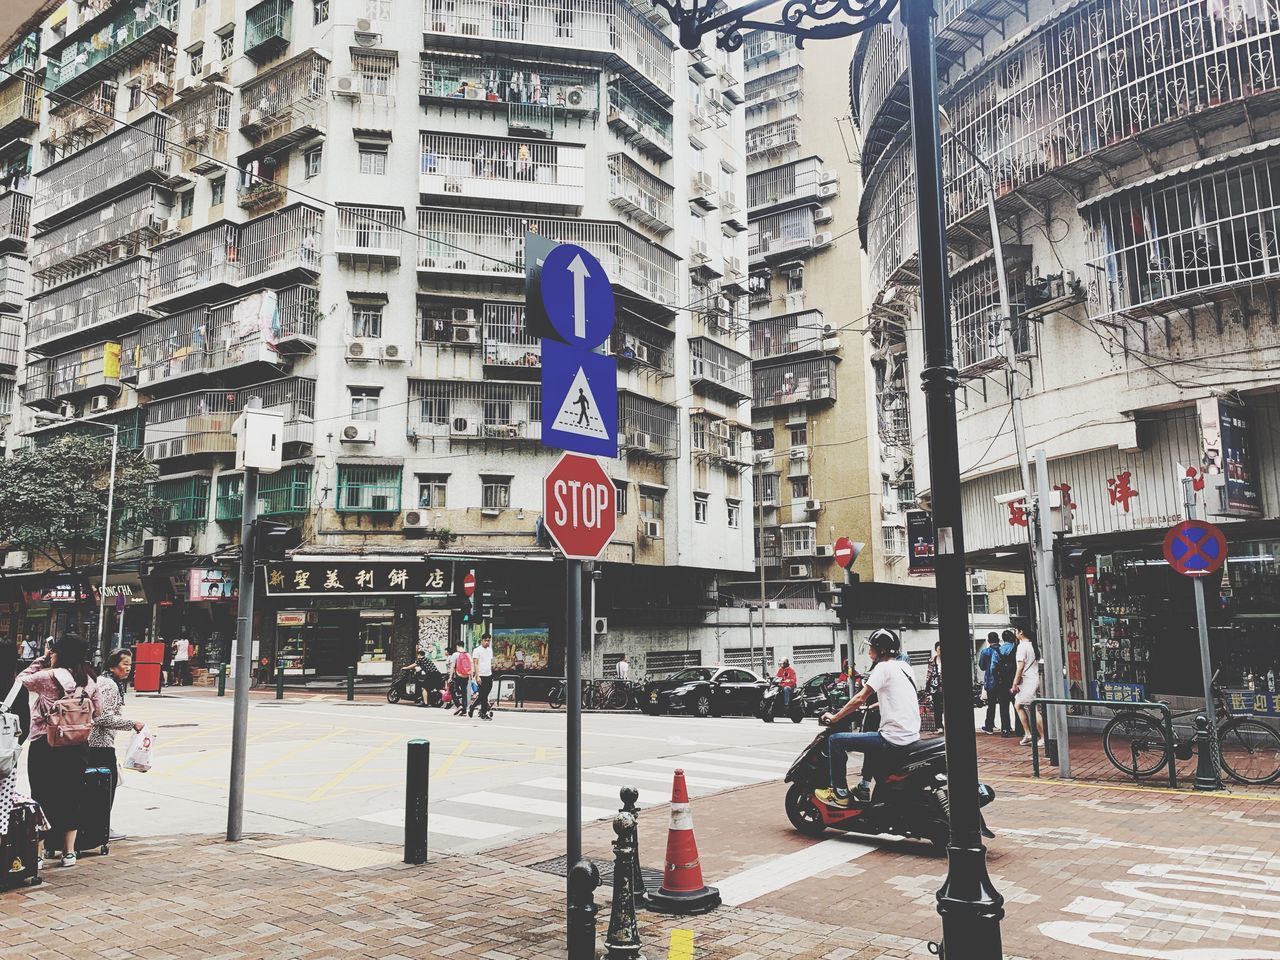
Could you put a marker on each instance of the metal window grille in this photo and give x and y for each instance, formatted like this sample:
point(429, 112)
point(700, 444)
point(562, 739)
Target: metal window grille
point(13, 281)
point(377, 9)
point(109, 232)
point(10, 340)
point(169, 347)
point(469, 410)
point(977, 326)
point(799, 382)
point(785, 183)
point(781, 232)
point(511, 80)
point(506, 341)
point(647, 426)
point(23, 54)
point(891, 221)
point(319, 12)
point(894, 540)
point(112, 294)
point(203, 257)
point(797, 541)
point(19, 101)
point(376, 74)
point(635, 341)
point(639, 194)
point(201, 124)
point(200, 422)
point(894, 416)
point(75, 122)
point(187, 499)
point(285, 98)
point(15, 216)
point(775, 137)
point(130, 25)
point(671, 661)
point(642, 114)
point(502, 169)
point(765, 489)
point(284, 239)
point(813, 653)
point(54, 378)
point(713, 362)
point(7, 390)
point(283, 492)
point(748, 658)
point(370, 229)
point(368, 489)
point(266, 23)
point(765, 89)
point(760, 45)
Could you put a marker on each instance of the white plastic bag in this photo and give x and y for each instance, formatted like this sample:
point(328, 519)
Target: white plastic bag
point(141, 748)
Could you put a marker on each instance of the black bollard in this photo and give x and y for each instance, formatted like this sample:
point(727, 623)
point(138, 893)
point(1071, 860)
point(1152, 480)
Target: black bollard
point(1207, 777)
point(629, 795)
point(417, 785)
point(222, 679)
point(279, 683)
point(351, 683)
point(623, 939)
point(583, 880)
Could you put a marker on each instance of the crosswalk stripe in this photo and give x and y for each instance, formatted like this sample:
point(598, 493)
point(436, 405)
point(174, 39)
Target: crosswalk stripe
point(778, 872)
point(631, 773)
point(742, 774)
point(440, 823)
point(739, 763)
point(591, 788)
point(516, 804)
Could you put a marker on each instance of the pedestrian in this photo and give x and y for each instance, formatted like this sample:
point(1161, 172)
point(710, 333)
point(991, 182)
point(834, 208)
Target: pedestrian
point(933, 684)
point(1006, 670)
point(181, 662)
point(1026, 686)
point(102, 741)
point(987, 661)
point(460, 678)
point(787, 683)
point(57, 773)
point(483, 657)
point(29, 653)
point(10, 667)
point(623, 668)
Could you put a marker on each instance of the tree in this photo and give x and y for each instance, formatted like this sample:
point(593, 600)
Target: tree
point(53, 504)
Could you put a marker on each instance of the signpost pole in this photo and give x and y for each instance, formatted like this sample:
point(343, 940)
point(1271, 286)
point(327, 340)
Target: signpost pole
point(573, 687)
point(1050, 620)
point(244, 657)
point(1202, 627)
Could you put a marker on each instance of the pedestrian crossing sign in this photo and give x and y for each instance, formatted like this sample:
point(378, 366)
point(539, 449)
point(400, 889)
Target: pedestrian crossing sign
point(579, 400)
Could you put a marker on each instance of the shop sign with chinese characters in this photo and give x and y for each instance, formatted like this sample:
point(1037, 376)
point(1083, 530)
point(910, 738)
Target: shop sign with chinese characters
point(317, 578)
point(1260, 703)
point(1119, 692)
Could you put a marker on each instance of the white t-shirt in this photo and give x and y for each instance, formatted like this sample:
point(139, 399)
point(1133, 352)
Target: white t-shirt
point(899, 708)
point(1030, 671)
point(483, 657)
point(624, 669)
point(181, 650)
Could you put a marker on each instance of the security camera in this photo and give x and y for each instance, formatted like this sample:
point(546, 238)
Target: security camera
point(1011, 497)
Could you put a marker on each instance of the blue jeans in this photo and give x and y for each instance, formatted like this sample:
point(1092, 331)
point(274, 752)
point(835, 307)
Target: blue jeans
point(786, 696)
point(838, 746)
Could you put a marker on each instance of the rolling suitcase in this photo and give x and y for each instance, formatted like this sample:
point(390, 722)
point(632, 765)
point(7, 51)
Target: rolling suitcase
point(95, 811)
point(20, 847)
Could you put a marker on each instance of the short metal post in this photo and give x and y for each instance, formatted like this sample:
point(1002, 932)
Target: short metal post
point(222, 679)
point(351, 683)
point(1168, 739)
point(279, 683)
point(583, 880)
point(629, 795)
point(1206, 766)
point(623, 939)
point(1035, 741)
point(416, 792)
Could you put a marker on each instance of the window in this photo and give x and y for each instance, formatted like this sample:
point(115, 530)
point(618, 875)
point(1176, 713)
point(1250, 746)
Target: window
point(1018, 608)
point(319, 11)
point(377, 9)
point(651, 504)
point(763, 439)
point(800, 435)
point(135, 96)
point(620, 496)
point(799, 488)
point(366, 320)
point(734, 510)
point(186, 203)
point(979, 602)
point(496, 493)
point(195, 60)
point(698, 433)
point(227, 44)
point(373, 159)
point(375, 73)
point(699, 508)
point(431, 490)
point(797, 541)
point(312, 160)
point(217, 191)
point(368, 489)
point(364, 403)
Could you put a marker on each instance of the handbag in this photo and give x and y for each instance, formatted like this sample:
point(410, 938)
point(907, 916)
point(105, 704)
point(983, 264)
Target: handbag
point(10, 730)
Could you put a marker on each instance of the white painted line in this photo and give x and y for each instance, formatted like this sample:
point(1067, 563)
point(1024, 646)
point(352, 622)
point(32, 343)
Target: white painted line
point(630, 772)
point(443, 824)
point(513, 804)
point(779, 872)
point(745, 774)
point(591, 788)
point(736, 762)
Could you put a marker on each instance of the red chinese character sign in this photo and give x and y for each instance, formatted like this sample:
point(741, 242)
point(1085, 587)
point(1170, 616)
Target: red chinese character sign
point(1195, 548)
point(1120, 490)
point(579, 506)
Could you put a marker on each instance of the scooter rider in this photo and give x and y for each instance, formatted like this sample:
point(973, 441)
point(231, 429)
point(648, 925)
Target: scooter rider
point(891, 681)
point(787, 683)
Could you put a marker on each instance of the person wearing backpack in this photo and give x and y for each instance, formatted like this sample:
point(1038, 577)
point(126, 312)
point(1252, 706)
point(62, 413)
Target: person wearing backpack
point(62, 716)
point(460, 678)
point(987, 661)
point(1005, 670)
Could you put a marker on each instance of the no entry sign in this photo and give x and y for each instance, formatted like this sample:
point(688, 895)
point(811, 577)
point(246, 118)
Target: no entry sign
point(845, 552)
point(579, 506)
point(469, 584)
point(1195, 548)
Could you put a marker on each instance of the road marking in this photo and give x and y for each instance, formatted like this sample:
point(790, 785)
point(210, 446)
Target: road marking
point(735, 763)
point(517, 804)
point(744, 774)
point(630, 773)
point(439, 823)
point(443, 770)
point(778, 872)
point(681, 945)
point(321, 791)
point(589, 787)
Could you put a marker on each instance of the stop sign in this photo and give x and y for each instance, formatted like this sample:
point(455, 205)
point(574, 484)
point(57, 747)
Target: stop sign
point(579, 502)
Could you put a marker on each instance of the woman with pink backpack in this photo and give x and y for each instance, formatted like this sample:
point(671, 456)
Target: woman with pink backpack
point(61, 720)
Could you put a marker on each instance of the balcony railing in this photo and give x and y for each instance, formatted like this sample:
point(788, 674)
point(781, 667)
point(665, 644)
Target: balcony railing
point(506, 341)
point(804, 381)
point(201, 259)
point(103, 235)
point(10, 341)
point(716, 439)
point(497, 83)
point(13, 281)
point(267, 29)
point(78, 121)
point(639, 194)
point(114, 294)
point(288, 491)
point(19, 106)
point(103, 170)
point(890, 219)
point(790, 334)
point(467, 410)
point(787, 232)
point(129, 34)
point(772, 139)
point(643, 346)
point(452, 241)
point(647, 427)
point(788, 183)
point(761, 48)
point(977, 325)
point(713, 368)
point(501, 171)
point(23, 55)
point(782, 84)
point(200, 127)
point(186, 499)
point(60, 378)
point(639, 120)
point(370, 234)
point(200, 423)
point(364, 489)
point(286, 103)
point(15, 219)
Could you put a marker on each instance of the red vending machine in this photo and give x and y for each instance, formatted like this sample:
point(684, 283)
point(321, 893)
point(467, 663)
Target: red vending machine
point(148, 667)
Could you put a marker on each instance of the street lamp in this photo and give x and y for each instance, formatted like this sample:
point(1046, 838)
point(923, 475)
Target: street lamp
point(970, 906)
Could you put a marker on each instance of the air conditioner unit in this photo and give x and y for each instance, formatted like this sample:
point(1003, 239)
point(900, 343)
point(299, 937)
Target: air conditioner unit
point(797, 418)
point(642, 352)
point(652, 529)
point(768, 45)
point(155, 547)
point(188, 85)
point(720, 428)
point(794, 302)
point(16, 560)
point(212, 71)
point(416, 519)
point(577, 97)
point(464, 427)
point(812, 506)
point(828, 176)
point(823, 239)
point(463, 315)
point(799, 453)
point(733, 266)
point(466, 333)
point(700, 251)
point(363, 350)
point(171, 229)
point(180, 545)
point(703, 184)
point(640, 439)
point(199, 131)
point(476, 93)
point(99, 404)
point(824, 550)
point(393, 353)
point(67, 411)
point(366, 36)
point(829, 190)
point(358, 432)
point(822, 215)
point(120, 251)
point(344, 86)
point(797, 570)
point(826, 586)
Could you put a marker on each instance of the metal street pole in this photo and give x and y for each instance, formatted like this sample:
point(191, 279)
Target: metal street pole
point(968, 902)
point(1051, 621)
point(591, 628)
point(1202, 628)
point(106, 541)
point(573, 687)
point(760, 527)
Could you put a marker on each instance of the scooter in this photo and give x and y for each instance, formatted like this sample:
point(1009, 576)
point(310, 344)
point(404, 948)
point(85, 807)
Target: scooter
point(414, 685)
point(910, 798)
point(772, 704)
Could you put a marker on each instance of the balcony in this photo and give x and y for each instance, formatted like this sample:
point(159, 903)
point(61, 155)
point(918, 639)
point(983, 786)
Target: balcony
point(468, 411)
point(19, 106)
point(762, 50)
point(95, 304)
point(76, 122)
point(716, 440)
point(639, 121)
point(508, 347)
point(801, 181)
point(642, 346)
point(887, 217)
point(255, 194)
point(103, 235)
point(286, 104)
point(23, 55)
point(201, 123)
point(15, 220)
point(13, 281)
point(286, 242)
point(106, 169)
point(487, 245)
point(267, 29)
point(647, 427)
point(499, 172)
point(789, 233)
point(604, 30)
point(773, 139)
point(186, 499)
point(717, 371)
point(642, 197)
point(199, 423)
point(369, 489)
point(90, 369)
point(803, 381)
point(103, 45)
point(129, 422)
point(779, 88)
point(10, 342)
point(792, 334)
point(286, 492)
point(370, 236)
point(977, 327)
point(506, 85)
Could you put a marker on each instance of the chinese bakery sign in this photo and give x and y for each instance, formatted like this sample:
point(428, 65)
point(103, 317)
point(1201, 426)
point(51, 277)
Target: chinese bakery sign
point(315, 578)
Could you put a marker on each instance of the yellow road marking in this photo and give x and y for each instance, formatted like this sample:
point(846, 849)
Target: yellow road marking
point(167, 770)
point(681, 945)
point(351, 768)
point(450, 760)
point(1127, 788)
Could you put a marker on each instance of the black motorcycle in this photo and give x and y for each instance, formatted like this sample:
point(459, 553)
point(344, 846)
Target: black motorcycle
point(773, 706)
point(417, 686)
point(910, 798)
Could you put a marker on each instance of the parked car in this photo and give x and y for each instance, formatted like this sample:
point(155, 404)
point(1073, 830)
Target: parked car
point(705, 692)
point(826, 691)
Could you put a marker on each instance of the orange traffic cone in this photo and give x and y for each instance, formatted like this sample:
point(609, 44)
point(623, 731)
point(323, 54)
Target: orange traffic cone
point(682, 888)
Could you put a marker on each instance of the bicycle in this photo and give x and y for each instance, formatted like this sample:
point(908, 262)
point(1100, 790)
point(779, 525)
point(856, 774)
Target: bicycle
point(600, 695)
point(1248, 749)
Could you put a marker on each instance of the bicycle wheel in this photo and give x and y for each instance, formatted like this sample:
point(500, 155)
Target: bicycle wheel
point(557, 698)
point(613, 697)
point(1249, 751)
point(1135, 744)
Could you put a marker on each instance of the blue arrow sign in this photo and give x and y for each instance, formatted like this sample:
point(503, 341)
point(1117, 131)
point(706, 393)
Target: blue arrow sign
point(579, 400)
point(576, 296)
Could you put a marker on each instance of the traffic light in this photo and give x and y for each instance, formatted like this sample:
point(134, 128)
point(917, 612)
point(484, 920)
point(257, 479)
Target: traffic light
point(273, 540)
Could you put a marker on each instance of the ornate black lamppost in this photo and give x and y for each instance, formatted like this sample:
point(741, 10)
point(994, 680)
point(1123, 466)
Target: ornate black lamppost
point(971, 908)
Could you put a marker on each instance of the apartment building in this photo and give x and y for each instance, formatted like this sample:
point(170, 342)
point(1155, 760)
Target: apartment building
point(1130, 149)
point(323, 205)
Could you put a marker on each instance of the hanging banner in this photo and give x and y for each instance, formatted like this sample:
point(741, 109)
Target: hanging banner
point(920, 543)
point(1228, 457)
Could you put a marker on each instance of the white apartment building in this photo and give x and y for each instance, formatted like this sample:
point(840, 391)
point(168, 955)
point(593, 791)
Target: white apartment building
point(323, 204)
